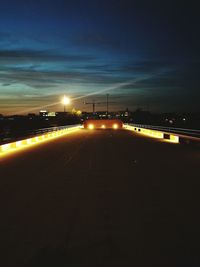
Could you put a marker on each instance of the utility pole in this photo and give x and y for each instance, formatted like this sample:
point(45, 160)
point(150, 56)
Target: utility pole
point(93, 107)
point(107, 103)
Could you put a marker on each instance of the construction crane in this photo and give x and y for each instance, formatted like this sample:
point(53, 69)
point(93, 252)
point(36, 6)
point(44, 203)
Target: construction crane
point(94, 103)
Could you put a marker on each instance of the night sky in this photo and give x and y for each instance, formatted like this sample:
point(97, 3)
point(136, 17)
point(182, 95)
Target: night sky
point(145, 54)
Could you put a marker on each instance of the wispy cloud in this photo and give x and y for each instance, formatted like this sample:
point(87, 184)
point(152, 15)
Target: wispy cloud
point(19, 56)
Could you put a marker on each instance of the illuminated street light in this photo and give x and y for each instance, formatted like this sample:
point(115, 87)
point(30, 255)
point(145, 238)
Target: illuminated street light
point(65, 101)
point(91, 126)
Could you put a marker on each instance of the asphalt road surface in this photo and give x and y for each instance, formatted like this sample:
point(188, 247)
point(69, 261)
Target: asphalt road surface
point(101, 198)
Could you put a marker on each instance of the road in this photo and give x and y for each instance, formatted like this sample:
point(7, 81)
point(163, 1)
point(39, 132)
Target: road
point(101, 198)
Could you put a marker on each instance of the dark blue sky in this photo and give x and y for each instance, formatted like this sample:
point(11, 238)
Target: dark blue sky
point(143, 53)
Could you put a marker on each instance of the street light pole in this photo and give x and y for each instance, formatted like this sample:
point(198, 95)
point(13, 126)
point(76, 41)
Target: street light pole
point(107, 103)
point(65, 101)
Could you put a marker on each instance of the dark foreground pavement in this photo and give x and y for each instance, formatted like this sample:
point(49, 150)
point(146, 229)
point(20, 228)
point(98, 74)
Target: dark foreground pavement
point(101, 198)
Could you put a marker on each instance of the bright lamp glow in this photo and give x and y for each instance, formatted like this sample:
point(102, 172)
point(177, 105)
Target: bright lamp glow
point(66, 100)
point(115, 126)
point(91, 126)
point(103, 126)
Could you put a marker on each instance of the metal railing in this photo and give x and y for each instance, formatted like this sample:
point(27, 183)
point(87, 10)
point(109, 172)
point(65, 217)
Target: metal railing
point(53, 129)
point(36, 132)
point(181, 131)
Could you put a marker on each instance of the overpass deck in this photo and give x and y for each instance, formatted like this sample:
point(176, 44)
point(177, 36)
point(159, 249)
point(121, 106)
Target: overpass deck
point(100, 198)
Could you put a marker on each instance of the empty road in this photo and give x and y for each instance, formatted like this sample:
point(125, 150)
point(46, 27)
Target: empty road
point(101, 198)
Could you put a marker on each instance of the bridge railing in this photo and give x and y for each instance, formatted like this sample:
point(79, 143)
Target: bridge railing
point(53, 129)
point(182, 134)
point(35, 132)
point(190, 132)
point(42, 135)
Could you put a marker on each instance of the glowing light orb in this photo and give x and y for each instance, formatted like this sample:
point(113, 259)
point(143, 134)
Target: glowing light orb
point(66, 100)
point(91, 126)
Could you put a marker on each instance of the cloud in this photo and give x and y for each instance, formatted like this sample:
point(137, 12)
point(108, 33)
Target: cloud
point(37, 74)
point(147, 66)
point(18, 56)
point(46, 79)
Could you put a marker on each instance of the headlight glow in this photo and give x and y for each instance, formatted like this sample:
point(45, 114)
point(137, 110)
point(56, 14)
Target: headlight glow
point(91, 126)
point(115, 126)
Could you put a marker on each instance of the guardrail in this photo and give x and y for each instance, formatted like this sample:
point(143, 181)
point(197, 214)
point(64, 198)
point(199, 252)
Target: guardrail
point(172, 134)
point(40, 135)
point(190, 132)
point(31, 133)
